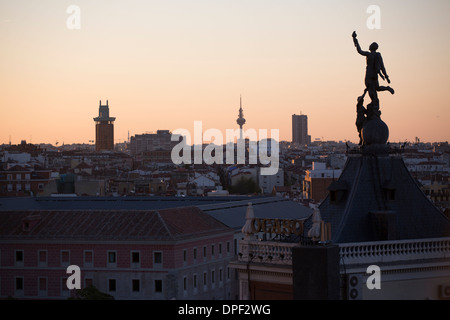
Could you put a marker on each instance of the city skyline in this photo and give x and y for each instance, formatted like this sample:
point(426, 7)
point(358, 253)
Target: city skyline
point(165, 65)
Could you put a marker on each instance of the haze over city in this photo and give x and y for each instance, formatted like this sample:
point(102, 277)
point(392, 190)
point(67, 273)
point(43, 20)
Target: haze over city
point(165, 64)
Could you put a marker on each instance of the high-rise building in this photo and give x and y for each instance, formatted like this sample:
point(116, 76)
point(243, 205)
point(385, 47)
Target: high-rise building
point(104, 129)
point(300, 130)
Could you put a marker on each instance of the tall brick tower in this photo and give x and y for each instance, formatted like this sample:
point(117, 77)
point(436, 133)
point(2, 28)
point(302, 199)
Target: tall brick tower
point(104, 129)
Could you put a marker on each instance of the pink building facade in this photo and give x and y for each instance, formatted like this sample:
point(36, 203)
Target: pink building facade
point(178, 253)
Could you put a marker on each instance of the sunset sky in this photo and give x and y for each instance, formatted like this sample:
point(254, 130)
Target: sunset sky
point(164, 64)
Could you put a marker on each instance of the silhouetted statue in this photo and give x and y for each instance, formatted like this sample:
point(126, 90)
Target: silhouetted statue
point(361, 114)
point(375, 67)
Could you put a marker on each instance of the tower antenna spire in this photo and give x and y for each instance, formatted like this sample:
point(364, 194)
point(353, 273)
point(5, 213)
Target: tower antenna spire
point(240, 120)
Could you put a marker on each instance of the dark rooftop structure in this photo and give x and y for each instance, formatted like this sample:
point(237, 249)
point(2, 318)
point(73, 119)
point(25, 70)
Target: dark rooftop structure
point(67, 202)
point(376, 199)
point(233, 213)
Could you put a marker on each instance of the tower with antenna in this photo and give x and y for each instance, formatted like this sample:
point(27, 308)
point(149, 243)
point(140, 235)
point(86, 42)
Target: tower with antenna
point(240, 120)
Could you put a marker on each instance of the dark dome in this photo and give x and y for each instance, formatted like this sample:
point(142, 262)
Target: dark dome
point(375, 131)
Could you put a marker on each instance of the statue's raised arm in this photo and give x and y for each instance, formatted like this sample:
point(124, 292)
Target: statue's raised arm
point(358, 47)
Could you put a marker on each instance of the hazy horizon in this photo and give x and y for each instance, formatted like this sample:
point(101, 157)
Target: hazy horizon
point(164, 64)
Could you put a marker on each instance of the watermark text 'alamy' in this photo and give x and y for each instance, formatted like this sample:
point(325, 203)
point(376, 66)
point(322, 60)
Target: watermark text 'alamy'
point(267, 149)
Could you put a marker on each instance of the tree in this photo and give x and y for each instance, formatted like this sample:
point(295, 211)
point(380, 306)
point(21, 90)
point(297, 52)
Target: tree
point(91, 293)
point(245, 186)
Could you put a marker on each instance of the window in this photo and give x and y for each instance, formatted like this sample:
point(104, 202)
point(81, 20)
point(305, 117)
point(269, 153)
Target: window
point(88, 258)
point(18, 176)
point(136, 285)
point(220, 248)
point(9, 177)
point(184, 255)
point(18, 187)
point(389, 194)
point(19, 283)
point(19, 257)
point(212, 250)
point(194, 282)
point(213, 278)
point(228, 246)
point(42, 258)
point(112, 257)
point(65, 257)
point(27, 176)
point(185, 283)
point(205, 279)
point(88, 282)
point(333, 196)
point(112, 285)
point(158, 286)
point(195, 253)
point(42, 284)
point(204, 252)
point(64, 288)
point(135, 257)
point(157, 257)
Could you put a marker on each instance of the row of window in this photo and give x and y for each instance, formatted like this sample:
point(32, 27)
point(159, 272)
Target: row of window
point(10, 176)
point(205, 251)
point(88, 258)
point(20, 187)
point(136, 286)
point(206, 280)
point(135, 256)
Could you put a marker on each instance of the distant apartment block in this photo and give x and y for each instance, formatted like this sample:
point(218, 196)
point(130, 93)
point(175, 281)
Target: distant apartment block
point(23, 181)
point(151, 142)
point(268, 182)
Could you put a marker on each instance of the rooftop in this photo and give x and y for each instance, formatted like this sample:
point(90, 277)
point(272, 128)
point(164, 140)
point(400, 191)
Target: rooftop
point(229, 210)
point(115, 225)
point(376, 198)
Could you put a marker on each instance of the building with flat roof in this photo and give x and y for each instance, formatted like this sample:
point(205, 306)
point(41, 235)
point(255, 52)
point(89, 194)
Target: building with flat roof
point(300, 130)
point(21, 181)
point(151, 142)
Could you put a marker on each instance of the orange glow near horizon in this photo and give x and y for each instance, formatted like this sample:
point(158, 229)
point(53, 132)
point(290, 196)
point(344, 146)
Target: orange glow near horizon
point(164, 64)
